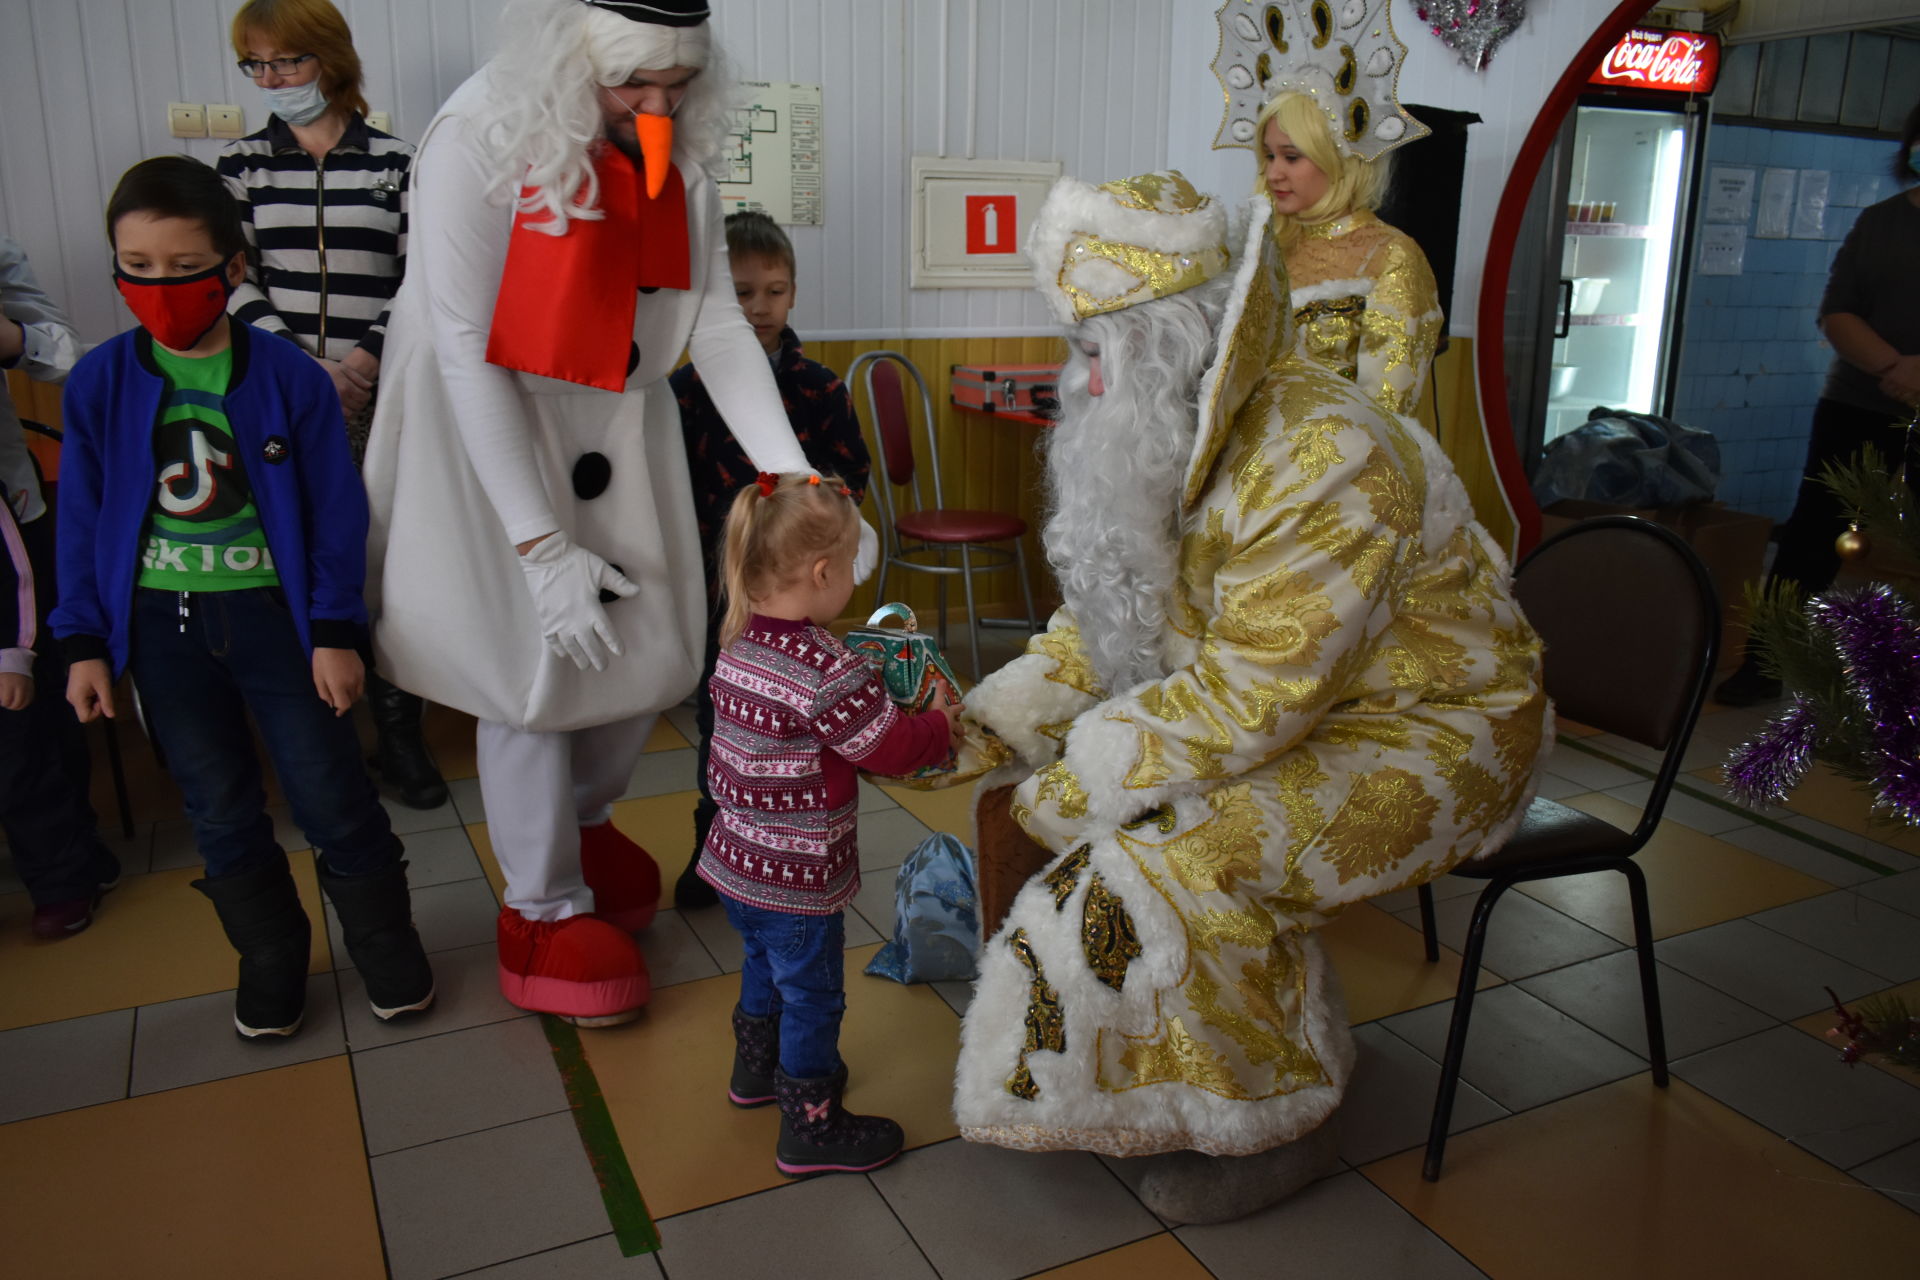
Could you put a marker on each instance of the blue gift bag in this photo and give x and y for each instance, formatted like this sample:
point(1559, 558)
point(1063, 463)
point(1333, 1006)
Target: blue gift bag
point(936, 922)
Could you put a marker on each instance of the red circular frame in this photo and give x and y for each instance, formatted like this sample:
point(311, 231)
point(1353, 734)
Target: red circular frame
point(1490, 352)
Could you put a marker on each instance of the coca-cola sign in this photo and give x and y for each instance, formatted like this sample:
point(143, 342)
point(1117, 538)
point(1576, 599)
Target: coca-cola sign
point(1664, 61)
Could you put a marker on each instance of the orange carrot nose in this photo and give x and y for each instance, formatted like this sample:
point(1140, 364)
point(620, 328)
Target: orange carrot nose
point(656, 149)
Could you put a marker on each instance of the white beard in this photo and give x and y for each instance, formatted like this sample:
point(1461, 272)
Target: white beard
point(1116, 465)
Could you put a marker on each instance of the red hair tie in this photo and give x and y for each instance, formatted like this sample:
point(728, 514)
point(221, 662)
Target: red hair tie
point(768, 482)
point(813, 479)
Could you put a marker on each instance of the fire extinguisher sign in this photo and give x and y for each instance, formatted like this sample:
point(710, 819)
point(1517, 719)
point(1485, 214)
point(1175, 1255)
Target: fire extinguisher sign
point(992, 224)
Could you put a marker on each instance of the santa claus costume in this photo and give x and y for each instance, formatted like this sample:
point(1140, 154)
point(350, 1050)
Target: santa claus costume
point(534, 543)
point(1289, 676)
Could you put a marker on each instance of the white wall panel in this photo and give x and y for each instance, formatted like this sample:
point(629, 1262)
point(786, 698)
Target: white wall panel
point(84, 86)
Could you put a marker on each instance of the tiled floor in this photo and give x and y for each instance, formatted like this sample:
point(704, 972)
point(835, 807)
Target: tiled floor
point(142, 1139)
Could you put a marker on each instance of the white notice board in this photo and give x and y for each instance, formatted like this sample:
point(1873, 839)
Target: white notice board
point(774, 154)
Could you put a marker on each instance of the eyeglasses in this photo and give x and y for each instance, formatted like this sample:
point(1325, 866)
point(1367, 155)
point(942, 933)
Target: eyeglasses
point(253, 68)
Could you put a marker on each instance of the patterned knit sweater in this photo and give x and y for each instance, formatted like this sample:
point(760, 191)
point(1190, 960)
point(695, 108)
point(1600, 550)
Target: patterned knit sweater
point(794, 713)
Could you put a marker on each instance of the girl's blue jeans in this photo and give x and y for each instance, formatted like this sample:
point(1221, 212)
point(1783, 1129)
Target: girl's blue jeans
point(794, 971)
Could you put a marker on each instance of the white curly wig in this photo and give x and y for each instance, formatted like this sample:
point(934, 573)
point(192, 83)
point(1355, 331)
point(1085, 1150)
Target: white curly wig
point(544, 110)
point(1116, 466)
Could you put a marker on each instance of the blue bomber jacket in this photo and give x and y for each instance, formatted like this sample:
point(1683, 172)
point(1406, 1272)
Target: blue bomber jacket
point(288, 432)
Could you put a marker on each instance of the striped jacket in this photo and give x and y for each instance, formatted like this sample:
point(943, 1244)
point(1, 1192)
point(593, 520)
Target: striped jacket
point(330, 235)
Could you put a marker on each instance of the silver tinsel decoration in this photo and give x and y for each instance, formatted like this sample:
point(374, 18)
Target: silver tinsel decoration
point(1471, 28)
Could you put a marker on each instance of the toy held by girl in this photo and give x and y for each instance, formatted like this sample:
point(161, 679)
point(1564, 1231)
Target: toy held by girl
point(212, 541)
point(796, 714)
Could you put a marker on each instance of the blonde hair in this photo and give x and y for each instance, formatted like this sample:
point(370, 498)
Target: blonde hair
point(307, 26)
point(770, 538)
point(1353, 184)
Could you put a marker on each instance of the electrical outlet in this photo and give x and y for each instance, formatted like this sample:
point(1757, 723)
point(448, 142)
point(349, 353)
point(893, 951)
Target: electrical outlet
point(381, 121)
point(224, 120)
point(187, 119)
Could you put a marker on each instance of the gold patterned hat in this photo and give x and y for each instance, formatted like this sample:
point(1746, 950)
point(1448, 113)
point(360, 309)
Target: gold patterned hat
point(1098, 249)
point(1343, 54)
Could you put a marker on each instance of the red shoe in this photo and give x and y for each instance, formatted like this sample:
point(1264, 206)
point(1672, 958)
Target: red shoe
point(581, 969)
point(624, 877)
point(59, 920)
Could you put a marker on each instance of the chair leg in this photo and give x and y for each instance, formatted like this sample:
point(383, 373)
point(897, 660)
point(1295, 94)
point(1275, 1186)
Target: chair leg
point(1649, 978)
point(940, 591)
point(1026, 590)
point(880, 583)
point(1457, 1031)
point(973, 612)
point(119, 771)
point(1428, 934)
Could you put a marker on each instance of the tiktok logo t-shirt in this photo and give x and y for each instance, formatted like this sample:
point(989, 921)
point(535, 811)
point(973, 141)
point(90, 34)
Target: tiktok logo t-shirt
point(203, 533)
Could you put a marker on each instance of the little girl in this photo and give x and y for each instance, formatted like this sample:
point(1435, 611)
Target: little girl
point(795, 712)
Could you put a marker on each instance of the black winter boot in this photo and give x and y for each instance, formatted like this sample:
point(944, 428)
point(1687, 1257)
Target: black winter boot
point(261, 913)
point(756, 1056)
point(376, 919)
point(399, 754)
point(818, 1135)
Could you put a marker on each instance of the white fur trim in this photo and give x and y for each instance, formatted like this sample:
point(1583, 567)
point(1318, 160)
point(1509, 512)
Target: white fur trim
point(1259, 213)
point(1018, 699)
point(1070, 1111)
point(1328, 290)
point(1075, 208)
point(1101, 751)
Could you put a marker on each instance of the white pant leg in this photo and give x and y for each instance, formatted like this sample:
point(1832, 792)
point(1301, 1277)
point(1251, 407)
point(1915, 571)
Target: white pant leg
point(526, 783)
point(604, 758)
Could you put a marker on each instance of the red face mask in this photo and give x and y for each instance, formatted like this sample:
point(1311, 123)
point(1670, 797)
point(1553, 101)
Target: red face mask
point(176, 310)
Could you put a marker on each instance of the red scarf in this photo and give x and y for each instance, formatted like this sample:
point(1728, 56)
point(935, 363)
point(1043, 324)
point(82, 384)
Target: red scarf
point(566, 302)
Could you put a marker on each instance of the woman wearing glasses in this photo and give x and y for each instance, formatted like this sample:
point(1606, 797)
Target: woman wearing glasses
point(323, 200)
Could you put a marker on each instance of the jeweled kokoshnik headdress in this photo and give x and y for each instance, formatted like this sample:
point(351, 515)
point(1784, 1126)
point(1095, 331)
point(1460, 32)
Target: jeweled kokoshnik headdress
point(1341, 53)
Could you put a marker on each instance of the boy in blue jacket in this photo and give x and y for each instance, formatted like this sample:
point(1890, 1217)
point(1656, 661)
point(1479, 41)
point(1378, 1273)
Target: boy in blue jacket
point(212, 540)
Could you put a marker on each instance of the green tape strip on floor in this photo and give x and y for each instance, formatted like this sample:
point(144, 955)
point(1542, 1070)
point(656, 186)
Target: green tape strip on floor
point(632, 1225)
point(1720, 802)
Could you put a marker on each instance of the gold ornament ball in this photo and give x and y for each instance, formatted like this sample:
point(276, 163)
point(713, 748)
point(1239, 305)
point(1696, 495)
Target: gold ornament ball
point(1852, 545)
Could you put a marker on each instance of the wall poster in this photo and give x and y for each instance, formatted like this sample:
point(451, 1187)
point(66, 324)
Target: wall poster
point(774, 154)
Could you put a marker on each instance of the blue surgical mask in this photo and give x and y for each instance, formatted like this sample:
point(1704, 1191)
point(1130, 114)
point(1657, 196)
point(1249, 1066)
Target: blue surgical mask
point(301, 104)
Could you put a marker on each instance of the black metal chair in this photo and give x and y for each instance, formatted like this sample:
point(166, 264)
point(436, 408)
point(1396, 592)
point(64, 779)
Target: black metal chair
point(1631, 623)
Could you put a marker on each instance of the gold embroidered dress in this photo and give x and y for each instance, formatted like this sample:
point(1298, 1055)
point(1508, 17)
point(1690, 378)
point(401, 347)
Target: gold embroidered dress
point(1366, 304)
point(1353, 707)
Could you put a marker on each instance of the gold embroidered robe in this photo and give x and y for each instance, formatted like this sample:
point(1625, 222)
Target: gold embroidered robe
point(1353, 707)
point(1366, 304)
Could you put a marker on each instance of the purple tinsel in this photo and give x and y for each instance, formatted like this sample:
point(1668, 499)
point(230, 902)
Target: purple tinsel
point(1879, 648)
point(1764, 770)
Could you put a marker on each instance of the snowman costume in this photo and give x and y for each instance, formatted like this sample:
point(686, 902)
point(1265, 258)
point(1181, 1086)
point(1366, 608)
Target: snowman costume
point(567, 653)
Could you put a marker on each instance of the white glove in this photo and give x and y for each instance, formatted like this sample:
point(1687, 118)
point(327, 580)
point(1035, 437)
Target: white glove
point(867, 556)
point(566, 582)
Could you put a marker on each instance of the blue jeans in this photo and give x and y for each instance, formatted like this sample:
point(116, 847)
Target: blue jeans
point(795, 971)
point(198, 677)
